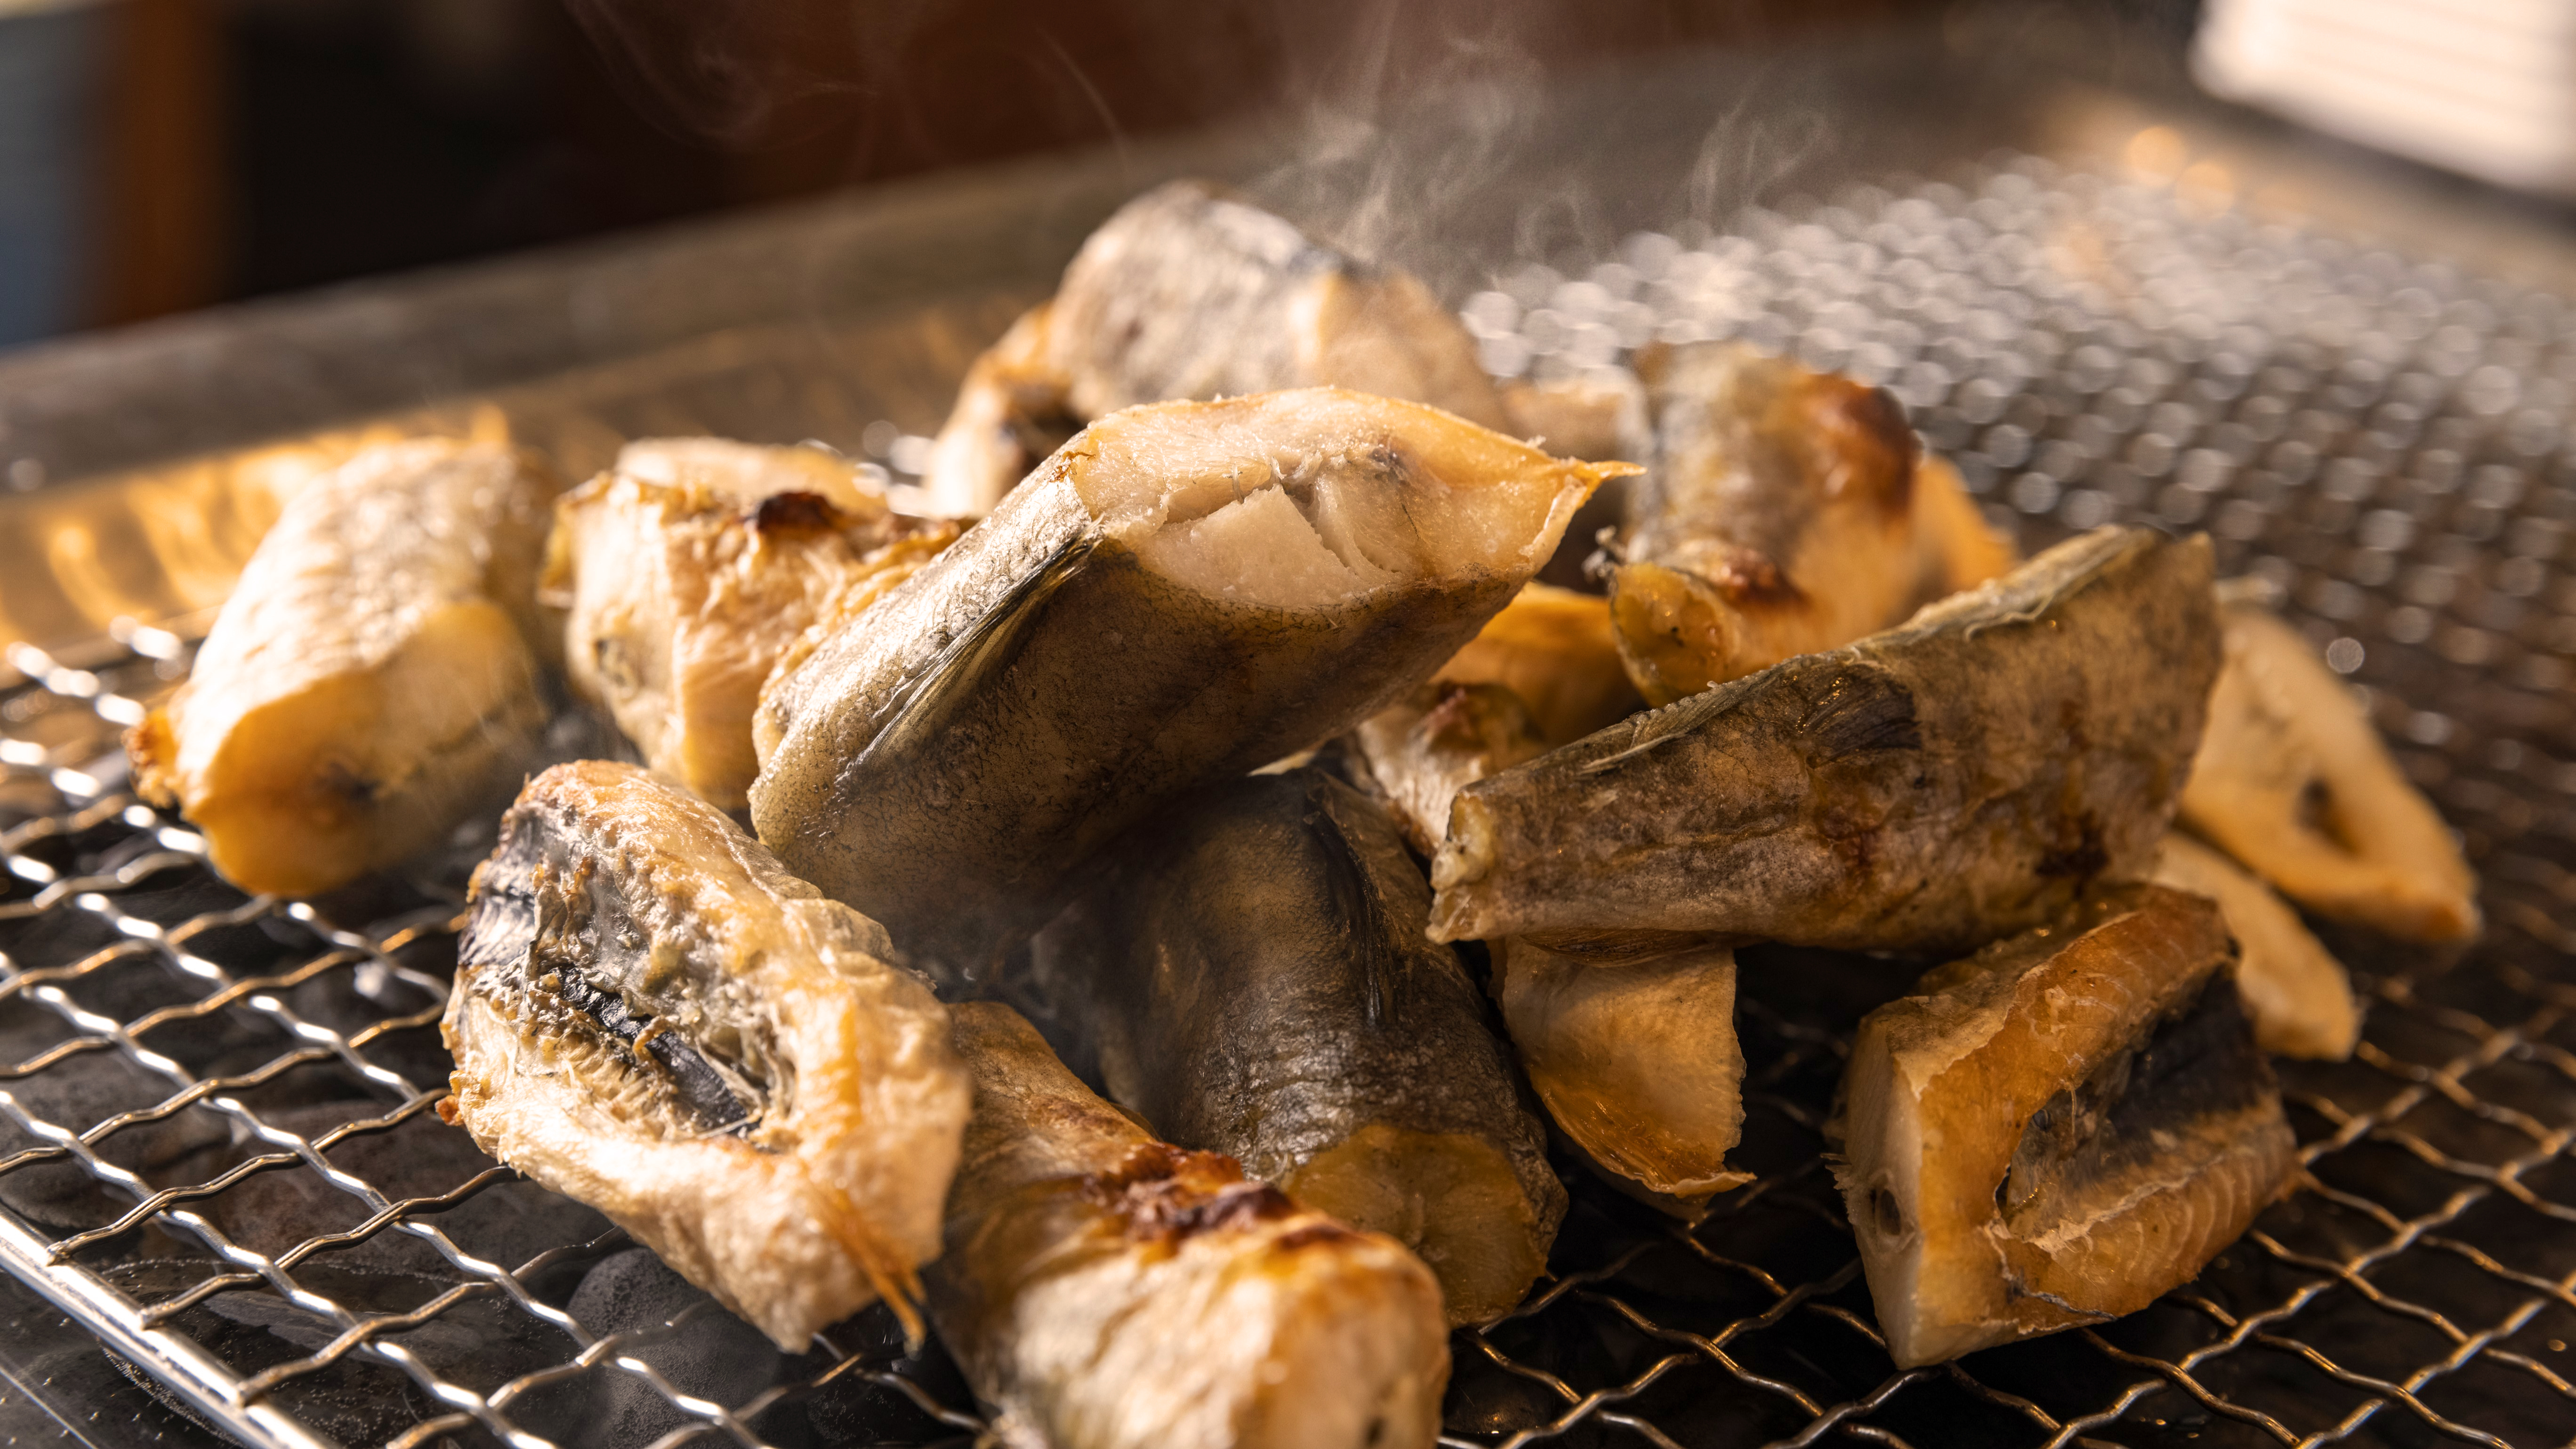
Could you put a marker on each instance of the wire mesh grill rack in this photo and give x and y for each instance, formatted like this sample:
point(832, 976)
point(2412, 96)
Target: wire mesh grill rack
point(218, 1139)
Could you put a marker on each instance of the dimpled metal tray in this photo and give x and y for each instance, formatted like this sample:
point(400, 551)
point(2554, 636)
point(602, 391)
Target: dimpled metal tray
point(219, 1145)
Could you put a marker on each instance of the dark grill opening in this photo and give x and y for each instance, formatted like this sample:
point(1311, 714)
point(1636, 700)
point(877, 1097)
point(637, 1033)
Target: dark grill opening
point(218, 1115)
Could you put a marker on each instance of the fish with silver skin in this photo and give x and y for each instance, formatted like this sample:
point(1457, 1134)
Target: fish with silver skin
point(1629, 1040)
point(2292, 780)
point(2295, 990)
point(1104, 1290)
point(1248, 972)
point(2058, 1130)
point(1787, 512)
point(1190, 293)
point(1929, 788)
point(375, 677)
point(654, 1018)
point(692, 568)
point(1183, 593)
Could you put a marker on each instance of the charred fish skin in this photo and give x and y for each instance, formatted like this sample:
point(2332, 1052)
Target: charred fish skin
point(2295, 991)
point(653, 1017)
point(1190, 292)
point(374, 678)
point(1103, 1290)
point(1789, 511)
point(1629, 1041)
point(2060, 1129)
point(1182, 594)
point(689, 571)
point(1249, 973)
point(1930, 788)
point(2292, 780)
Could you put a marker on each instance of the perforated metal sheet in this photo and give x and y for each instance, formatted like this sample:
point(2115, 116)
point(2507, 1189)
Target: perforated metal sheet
point(218, 1136)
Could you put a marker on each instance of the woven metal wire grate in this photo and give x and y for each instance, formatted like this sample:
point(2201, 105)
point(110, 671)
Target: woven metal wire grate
point(218, 1137)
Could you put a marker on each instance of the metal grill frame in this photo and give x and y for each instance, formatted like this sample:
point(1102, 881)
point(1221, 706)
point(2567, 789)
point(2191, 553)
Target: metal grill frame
point(2467, 1072)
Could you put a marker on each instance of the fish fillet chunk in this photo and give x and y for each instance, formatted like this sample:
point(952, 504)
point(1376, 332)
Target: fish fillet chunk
point(654, 1018)
point(1182, 594)
point(1929, 788)
point(1103, 1290)
point(1248, 972)
point(2294, 989)
point(1629, 1040)
point(2292, 780)
point(374, 678)
point(2058, 1130)
point(1192, 293)
point(1787, 511)
point(689, 571)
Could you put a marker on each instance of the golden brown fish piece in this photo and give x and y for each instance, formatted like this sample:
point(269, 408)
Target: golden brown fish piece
point(1629, 1040)
point(1248, 972)
point(1786, 514)
point(1191, 293)
point(2294, 989)
point(1103, 1290)
point(373, 679)
point(654, 1018)
point(2292, 780)
point(1183, 593)
point(692, 568)
point(1554, 648)
point(1598, 415)
point(1929, 788)
point(2059, 1129)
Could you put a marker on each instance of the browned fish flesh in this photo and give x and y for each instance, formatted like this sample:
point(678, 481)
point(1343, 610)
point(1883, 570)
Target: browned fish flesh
point(1786, 513)
point(1248, 972)
point(373, 680)
point(2295, 990)
point(1192, 293)
point(1103, 1290)
point(1629, 1040)
point(693, 567)
point(654, 1018)
point(2292, 780)
point(1553, 648)
point(1184, 593)
point(2058, 1130)
point(1926, 789)
point(1420, 750)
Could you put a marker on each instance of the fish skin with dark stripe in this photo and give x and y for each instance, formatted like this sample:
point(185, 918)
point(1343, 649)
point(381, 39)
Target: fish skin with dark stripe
point(652, 1017)
point(1249, 973)
point(1930, 788)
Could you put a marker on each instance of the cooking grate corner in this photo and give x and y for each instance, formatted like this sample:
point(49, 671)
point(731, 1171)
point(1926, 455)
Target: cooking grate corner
point(219, 1139)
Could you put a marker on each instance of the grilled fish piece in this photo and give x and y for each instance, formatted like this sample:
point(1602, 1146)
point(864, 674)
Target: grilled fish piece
point(2294, 989)
point(1598, 415)
point(1190, 292)
point(374, 678)
point(693, 567)
point(1786, 513)
point(1248, 972)
point(1929, 788)
point(1103, 1290)
point(1554, 648)
point(2292, 780)
point(650, 1016)
point(2059, 1129)
point(1420, 750)
point(1629, 1039)
point(1183, 593)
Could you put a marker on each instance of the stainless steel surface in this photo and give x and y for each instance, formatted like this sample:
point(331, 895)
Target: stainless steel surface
point(2388, 441)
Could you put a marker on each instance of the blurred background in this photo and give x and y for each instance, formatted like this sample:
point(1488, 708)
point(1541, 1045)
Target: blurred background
point(163, 155)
